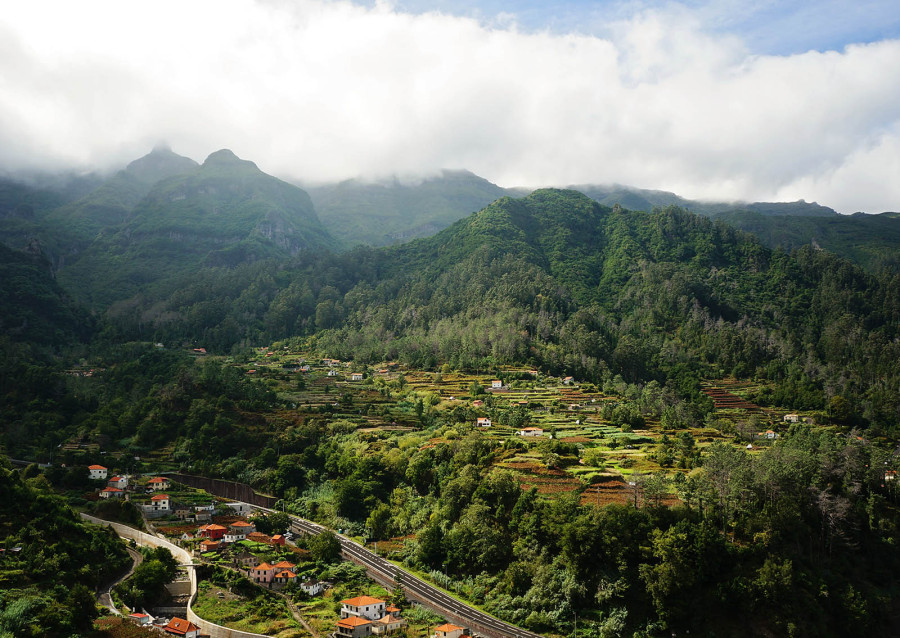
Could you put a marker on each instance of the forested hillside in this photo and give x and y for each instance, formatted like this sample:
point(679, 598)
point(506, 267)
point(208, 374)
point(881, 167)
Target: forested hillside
point(51, 562)
point(558, 281)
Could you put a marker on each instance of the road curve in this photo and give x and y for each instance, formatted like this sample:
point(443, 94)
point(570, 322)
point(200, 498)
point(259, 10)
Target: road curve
point(417, 589)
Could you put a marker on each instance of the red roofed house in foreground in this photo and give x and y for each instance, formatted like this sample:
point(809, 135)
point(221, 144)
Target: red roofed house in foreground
point(213, 531)
point(181, 627)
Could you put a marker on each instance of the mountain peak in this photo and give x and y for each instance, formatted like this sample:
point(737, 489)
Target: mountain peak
point(226, 157)
point(158, 164)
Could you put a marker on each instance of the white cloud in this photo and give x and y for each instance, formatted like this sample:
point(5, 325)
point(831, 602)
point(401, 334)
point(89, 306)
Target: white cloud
point(327, 90)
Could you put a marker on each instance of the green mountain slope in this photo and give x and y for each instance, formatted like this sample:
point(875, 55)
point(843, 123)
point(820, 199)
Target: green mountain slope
point(873, 241)
point(222, 213)
point(356, 212)
point(33, 308)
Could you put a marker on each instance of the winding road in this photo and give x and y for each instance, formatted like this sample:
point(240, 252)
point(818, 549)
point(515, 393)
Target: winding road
point(105, 598)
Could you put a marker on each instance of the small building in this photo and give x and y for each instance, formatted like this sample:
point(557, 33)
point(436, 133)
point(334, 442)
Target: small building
point(182, 627)
point(141, 619)
point(791, 418)
point(477, 403)
point(393, 610)
point(388, 624)
point(111, 492)
point(97, 472)
point(238, 531)
point(263, 573)
point(483, 422)
point(278, 539)
point(245, 559)
point(768, 434)
point(496, 384)
point(120, 482)
point(159, 502)
point(213, 531)
point(312, 587)
point(210, 546)
point(448, 631)
point(890, 475)
point(532, 431)
point(363, 606)
point(158, 483)
point(284, 577)
point(354, 627)
point(569, 380)
point(356, 376)
point(332, 373)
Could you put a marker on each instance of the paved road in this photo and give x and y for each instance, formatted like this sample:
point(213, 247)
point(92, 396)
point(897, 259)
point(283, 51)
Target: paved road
point(105, 598)
point(419, 590)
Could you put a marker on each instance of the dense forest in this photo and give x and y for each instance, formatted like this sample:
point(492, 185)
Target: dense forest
point(797, 539)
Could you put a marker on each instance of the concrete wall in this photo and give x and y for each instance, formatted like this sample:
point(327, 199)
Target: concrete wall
point(183, 557)
point(226, 489)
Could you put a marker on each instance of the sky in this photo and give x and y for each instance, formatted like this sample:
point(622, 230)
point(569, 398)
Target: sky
point(715, 99)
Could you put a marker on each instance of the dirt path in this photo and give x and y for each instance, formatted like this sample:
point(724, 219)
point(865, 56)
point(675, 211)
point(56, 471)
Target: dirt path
point(105, 598)
point(300, 619)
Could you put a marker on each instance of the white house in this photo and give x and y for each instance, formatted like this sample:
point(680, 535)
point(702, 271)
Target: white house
point(313, 587)
point(791, 418)
point(496, 384)
point(158, 483)
point(531, 432)
point(111, 492)
point(356, 376)
point(159, 503)
point(120, 482)
point(141, 619)
point(483, 422)
point(768, 434)
point(363, 607)
point(332, 373)
point(97, 471)
point(569, 380)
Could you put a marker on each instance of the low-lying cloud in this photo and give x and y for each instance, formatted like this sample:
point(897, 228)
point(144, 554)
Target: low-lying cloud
point(319, 91)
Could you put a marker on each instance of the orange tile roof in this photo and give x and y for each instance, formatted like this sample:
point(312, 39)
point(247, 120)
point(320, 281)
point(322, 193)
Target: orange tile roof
point(212, 526)
point(264, 567)
point(241, 524)
point(158, 479)
point(180, 626)
point(447, 627)
point(160, 497)
point(110, 489)
point(353, 621)
point(285, 565)
point(96, 467)
point(362, 601)
point(286, 574)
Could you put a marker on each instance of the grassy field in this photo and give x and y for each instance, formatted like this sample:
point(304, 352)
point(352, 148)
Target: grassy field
point(265, 613)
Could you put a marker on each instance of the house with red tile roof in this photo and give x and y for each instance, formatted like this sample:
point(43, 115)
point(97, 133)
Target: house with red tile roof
point(483, 422)
point(97, 471)
point(141, 619)
point(158, 483)
point(159, 502)
point(210, 545)
point(354, 627)
point(213, 531)
point(388, 624)
point(448, 631)
point(278, 539)
point(532, 431)
point(496, 384)
point(363, 606)
point(182, 627)
point(262, 574)
point(283, 578)
point(111, 492)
